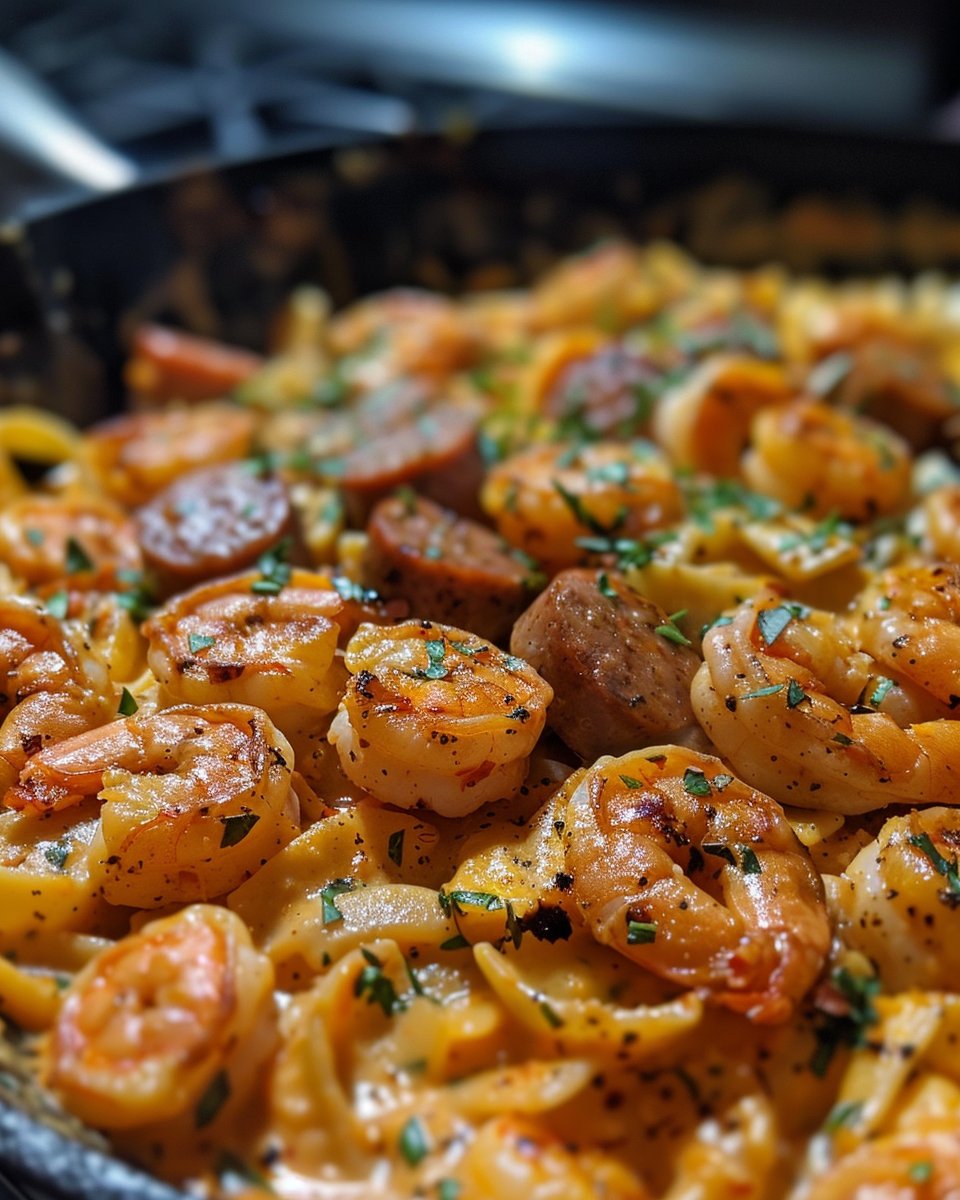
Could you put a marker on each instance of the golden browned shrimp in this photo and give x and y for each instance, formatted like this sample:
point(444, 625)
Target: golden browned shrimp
point(908, 619)
point(133, 457)
point(77, 539)
point(907, 1165)
point(941, 511)
point(814, 457)
point(691, 873)
point(194, 799)
point(778, 695)
point(437, 716)
point(173, 1018)
point(543, 500)
point(899, 899)
point(704, 422)
point(52, 683)
point(250, 641)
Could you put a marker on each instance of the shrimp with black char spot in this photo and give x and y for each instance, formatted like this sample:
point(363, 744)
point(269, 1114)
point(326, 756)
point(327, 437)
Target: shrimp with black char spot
point(692, 874)
point(436, 716)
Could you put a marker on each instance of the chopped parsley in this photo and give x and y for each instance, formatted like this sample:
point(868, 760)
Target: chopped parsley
point(881, 691)
point(630, 782)
point(56, 855)
point(58, 604)
point(721, 781)
point(820, 536)
point(395, 847)
point(375, 986)
point(773, 621)
point(615, 472)
point(641, 933)
point(851, 1028)
point(328, 895)
point(605, 587)
point(346, 589)
point(749, 863)
point(128, 705)
point(842, 739)
point(274, 570)
point(921, 1172)
point(434, 669)
point(460, 899)
point(670, 630)
point(695, 782)
point(236, 1176)
point(413, 1142)
point(795, 694)
point(449, 1189)
point(719, 850)
point(236, 828)
point(764, 691)
point(550, 1015)
point(829, 373)
point(212, 1100)
point(200, 641)
point(458, 942)
point(585, 518)
point(942, 866)
point(35, 536)
point(844, 1114)
point(77, 558)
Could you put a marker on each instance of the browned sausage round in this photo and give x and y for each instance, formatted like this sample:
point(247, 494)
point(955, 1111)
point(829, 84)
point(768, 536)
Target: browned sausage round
point(211, 523)
point(450, 569)
point(618, 684)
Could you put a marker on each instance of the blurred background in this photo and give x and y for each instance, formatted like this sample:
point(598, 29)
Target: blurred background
point(192, 161)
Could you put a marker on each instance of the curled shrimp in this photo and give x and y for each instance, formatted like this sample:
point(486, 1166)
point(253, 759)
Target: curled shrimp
point(704, 422)
point(154, 1022)
point(544, 499)
point(778, 695)
point(809, 455)
point(77, 539)
point(691, 873)
point(224, 641)
point(194, 799)
point(436, 716)
point(898, 900)
point(53, 684)
point(135, 456)
point(906, 1165)
point(941, 511)
point(908, 619)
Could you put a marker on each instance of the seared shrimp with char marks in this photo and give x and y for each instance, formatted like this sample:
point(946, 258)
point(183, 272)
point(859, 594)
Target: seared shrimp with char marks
point(436, 716)
point(809, 455)
point(150, 1023)
point(908, 619)
point(782, 707)
point(546, 499)
point(907, 1165)
point(194, 799)
point(697, 877)
point(53, 684)
point(232, 641)
point(899, 899)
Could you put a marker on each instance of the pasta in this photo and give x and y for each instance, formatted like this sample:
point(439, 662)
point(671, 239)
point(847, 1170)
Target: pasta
point(507, 749)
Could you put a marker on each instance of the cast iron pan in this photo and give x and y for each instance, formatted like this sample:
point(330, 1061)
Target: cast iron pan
point(552, 189)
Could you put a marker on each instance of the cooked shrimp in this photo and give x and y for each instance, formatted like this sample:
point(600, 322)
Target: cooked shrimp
point(691, 873)
point(899, 899)
point(194, 799)
point(402, 332)
point(178, 1011)
point(775, 698)
point(513, 1158)
point(908, 1165)
point(704, 422)
point(52, 683)
point(941, 511)
point(80, 539)
point(810, 456)
point(908, 620)
point(133, 457)
point(543, 500)
point(436, 716)
point(227, 641)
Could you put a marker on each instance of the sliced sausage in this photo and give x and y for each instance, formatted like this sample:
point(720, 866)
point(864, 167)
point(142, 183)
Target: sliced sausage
point(438, 439)
point(168, 364)
point(211, 523)
point(450, 569)
point(618, 684)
